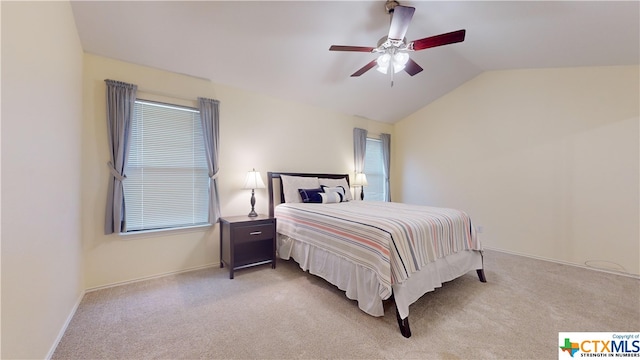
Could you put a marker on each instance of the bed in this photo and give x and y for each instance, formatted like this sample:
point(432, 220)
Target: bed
point(374, 251)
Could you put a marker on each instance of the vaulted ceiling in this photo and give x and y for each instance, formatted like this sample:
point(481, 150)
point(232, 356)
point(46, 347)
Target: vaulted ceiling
point(281, 48)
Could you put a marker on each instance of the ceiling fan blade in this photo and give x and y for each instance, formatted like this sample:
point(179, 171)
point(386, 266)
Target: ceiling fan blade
point(364, 69)
point(439, 40)
point(412, 67)
point(351, 48)
point(400, 21)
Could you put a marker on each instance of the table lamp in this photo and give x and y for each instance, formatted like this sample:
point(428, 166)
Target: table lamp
point(253, 181)
point(361, 180)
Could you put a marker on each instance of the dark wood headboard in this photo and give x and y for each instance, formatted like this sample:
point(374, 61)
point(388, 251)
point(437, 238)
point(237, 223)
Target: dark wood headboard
point(273, 177)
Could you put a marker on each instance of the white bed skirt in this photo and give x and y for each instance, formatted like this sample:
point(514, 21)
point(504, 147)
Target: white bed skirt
point(361, 284)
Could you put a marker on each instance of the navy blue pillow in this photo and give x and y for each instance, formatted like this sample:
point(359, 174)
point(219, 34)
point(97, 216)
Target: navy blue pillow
point(311, 195)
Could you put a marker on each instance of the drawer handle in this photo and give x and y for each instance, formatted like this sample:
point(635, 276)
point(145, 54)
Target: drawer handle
point(255, 233)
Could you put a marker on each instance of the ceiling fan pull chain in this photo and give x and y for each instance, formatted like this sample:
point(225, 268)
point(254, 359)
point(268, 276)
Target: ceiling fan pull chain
point(392, 72)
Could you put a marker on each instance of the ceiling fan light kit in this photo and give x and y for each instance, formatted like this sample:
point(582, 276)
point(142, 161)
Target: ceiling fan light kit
point(393, 48)
point(385, 61)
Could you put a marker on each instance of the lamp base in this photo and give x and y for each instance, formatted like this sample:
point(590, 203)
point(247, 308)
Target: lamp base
point(253, 212)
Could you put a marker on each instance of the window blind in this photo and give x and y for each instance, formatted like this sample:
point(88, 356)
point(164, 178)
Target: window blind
point(374, 169)
point(167, 175)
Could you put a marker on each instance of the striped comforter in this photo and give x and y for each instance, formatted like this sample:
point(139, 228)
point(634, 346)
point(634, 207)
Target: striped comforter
point(393, 239)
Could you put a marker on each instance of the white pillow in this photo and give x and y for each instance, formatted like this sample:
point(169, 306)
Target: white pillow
point(338, 190)
point(338, 182)
point(291, 184)
point(330, 197)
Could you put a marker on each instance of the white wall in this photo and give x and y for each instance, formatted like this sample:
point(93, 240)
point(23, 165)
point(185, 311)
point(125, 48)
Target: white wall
point(546, 160)
point(41, 123)
point(256, 131)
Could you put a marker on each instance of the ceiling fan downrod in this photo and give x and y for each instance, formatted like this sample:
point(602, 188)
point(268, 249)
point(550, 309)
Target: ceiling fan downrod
point(390, 5)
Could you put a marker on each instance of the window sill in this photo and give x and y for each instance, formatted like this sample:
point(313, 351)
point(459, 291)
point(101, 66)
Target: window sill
point(164, 232)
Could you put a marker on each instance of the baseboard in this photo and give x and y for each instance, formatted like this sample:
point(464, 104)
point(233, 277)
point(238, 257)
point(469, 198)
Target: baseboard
point(65, 326)
point(634, 276)
point(156, 276)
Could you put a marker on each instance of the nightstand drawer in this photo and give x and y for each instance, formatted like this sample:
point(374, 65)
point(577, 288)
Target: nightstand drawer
point(254, 233)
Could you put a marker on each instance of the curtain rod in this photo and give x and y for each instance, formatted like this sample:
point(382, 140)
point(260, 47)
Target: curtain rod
point(165, 95)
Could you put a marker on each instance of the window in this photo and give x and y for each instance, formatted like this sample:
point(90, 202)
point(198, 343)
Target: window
point(167, 180)
point(374, 169)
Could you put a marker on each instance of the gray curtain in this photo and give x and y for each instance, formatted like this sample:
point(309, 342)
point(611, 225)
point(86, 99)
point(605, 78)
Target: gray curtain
point(359, 148)
point(120, 102)
point(386, 163)
point(210, 118)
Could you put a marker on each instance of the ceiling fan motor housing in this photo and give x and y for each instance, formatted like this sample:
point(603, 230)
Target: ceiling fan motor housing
point(385, 43)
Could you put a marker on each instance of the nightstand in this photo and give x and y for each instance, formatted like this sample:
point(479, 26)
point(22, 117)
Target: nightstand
point(247, 241)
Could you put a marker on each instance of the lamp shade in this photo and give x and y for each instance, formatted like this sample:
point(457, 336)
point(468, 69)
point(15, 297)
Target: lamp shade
point(253, 180)
point(360, 180)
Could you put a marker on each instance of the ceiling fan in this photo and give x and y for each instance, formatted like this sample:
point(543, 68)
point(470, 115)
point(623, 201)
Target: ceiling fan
point(393, 49)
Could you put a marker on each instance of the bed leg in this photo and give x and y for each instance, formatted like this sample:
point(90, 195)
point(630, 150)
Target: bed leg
point(403, 324)
point(481, 275)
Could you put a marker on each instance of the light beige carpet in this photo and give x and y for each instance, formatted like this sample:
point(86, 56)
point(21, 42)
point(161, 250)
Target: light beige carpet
point(287, 313)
